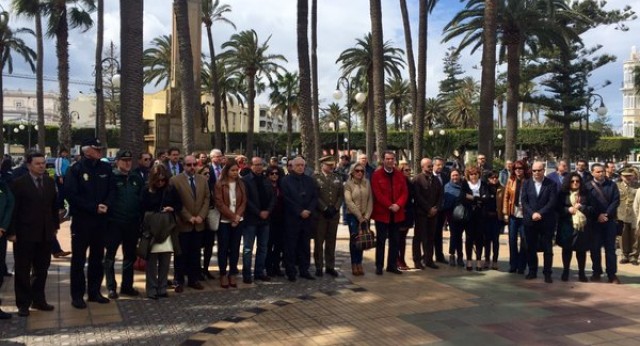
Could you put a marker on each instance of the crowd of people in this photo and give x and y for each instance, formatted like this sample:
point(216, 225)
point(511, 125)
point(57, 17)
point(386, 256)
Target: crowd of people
point(267, 218)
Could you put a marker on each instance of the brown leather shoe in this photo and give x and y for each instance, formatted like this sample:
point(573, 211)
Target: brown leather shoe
point(232, 281)
point(614, 280)
point(224, 281)
point(61, 254)
point(360, 269)
point(354, 270)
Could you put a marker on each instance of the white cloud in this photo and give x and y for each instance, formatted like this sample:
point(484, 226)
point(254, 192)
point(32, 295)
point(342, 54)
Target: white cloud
point(339, 24)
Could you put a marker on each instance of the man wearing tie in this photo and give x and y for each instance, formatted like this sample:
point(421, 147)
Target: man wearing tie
point(34, 225)
point(194, 194)
point(173, 164)
point(209, 237)
point(562, 171)
point(539, 201)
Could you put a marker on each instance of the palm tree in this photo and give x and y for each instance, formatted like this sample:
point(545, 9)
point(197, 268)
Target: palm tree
point(31, 9)
point(636, 79)
point(397, 92)
point(304, 96)
point(488, 80)
point(212, 11)
point(411, 63)
point(462, 106)
point(359, 59)
point(187, 89)
point(10, 43)
point(314, 80)
point(520, 23)
point(157, 61)
point(131, 106)
point(284, 98)
point(246, 54)
point(63, 15)
point(332, 116)
point(435, 113)
point(101, 123)
point(425, 8)
point(377, 49)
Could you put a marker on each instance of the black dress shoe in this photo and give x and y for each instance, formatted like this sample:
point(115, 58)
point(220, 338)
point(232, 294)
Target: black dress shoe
point(23, 312)
point(512, 271)
point(247, 281)
point(163, 295)
point(418, 265)
point(614, 280)
point(307, 276)
point(129, 291)
point(100, 299)
point(113, 294)
point(79, 303)
point(196, 285)
point(153, 297)
point(42, 306)
point(318, 273)
point(4, 315)
point(378, 271)
point(520, 271)
point(595, 278)
point(263, 278)
point(565, 275)
point(207, 274)
point(394, 270)
point(548, 279)
point(442, 260)
point(531, 276)
point(331, 272)
point(291, 278)
point(432, 266)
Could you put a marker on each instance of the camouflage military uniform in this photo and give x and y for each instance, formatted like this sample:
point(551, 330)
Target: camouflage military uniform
point(626, 215)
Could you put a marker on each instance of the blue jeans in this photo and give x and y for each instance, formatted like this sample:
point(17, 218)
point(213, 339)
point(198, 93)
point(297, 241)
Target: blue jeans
point(604, 234)
point(228, 247)
point(517, 255)
point(354, 228)
point(391, 231)
point(249, 234)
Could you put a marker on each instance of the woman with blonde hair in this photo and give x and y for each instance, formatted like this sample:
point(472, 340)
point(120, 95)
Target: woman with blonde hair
point(409, 218)
point(231, 201)
point(359, 201)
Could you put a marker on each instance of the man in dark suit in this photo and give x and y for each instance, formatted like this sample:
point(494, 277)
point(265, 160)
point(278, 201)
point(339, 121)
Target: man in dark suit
point(538, 202)
point(173, 164)
point(428, 200)
point(562, 172)
point(144, 165)
point(33, 227)
point(582, 168)
point(442, 174)
point(209, 237)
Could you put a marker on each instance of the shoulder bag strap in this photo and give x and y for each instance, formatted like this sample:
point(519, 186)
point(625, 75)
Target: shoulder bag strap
point(601, 195)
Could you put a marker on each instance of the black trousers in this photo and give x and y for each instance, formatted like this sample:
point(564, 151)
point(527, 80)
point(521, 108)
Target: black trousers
point(275, 247)
point(87, 232)
point(437, 237)
point(126, 234)
point(297, 247)
point(187, 263)
point(423, 239)
point(392, 232)
point(32, 260)
point(539, 239)
point(208, 241)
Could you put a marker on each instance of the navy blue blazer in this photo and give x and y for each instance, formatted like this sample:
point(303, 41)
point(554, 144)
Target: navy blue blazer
point(543, 203)
point(555, 177)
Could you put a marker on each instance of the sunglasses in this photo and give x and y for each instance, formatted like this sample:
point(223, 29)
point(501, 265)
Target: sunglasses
point(575, 181)
point(190, 164)
point(358, 171)
point(536, 170)
point(273, 173)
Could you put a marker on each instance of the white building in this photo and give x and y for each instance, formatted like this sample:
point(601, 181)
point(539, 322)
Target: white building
point(630, 99)
point(20, 107)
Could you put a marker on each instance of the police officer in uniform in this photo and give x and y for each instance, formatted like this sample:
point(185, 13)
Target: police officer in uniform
point(88, 191)
point(124, 224)
point(628, 187)
point(330, 197)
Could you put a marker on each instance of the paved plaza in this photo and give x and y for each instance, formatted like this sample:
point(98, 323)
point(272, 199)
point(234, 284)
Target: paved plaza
point(441, 307)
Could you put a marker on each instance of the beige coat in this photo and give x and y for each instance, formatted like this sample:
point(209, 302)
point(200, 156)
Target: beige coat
point(198, 206)
point(358, 198)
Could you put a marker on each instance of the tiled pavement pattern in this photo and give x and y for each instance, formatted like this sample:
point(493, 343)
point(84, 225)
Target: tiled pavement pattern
point(447, 306)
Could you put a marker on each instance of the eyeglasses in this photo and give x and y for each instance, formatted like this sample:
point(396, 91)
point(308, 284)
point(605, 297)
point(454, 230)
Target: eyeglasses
point(358, 171)
point(536, 170)
point(575, 181)
point(190, 164)
point(273, 173)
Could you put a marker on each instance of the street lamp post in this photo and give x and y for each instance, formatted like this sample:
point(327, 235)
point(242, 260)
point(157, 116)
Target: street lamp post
point(115, 80)
point(337, 94)
point(601, 111)
point(406, 120)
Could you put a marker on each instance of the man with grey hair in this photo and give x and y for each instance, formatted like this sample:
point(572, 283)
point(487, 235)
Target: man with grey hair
point(89, 192)
point(300, 201)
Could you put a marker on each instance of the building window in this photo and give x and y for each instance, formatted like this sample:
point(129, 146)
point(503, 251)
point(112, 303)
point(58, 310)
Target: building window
point(18, 104)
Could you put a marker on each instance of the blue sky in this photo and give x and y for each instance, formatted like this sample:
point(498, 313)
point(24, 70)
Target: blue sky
point(340, 23)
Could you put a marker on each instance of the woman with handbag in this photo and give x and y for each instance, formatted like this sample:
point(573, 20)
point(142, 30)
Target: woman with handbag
point(453, 198)
point(474, 229)
point(231, 201)
point(159, 197)
point(513, 215)
point(409, 218)
point(574, 233)
point(359, 201)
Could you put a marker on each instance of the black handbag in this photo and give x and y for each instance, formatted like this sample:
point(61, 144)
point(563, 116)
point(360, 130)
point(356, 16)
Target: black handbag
point(144, 245)
point(365, 239)
point(460, 214)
